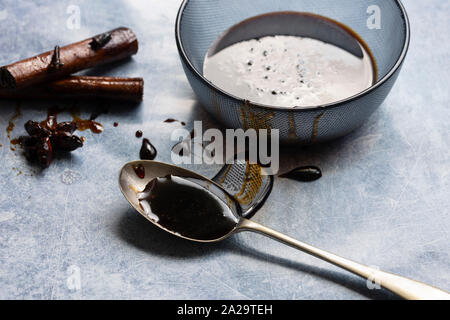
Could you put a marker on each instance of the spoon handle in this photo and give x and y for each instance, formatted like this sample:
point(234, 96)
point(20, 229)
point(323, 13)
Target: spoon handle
point(404, 287)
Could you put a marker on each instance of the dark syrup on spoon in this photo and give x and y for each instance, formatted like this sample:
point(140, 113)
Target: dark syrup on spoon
point(139, 170)
point(186, 208)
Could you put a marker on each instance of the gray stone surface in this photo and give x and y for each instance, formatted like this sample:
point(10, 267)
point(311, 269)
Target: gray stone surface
point(383, 200)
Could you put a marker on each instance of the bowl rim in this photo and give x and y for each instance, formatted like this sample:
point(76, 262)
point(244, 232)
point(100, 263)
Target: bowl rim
point(331, 105)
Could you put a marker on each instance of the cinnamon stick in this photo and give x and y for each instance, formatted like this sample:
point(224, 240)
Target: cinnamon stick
point(103, 48)
point(82, 87)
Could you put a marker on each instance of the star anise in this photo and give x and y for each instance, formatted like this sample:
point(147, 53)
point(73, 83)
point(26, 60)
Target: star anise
point(46, 138)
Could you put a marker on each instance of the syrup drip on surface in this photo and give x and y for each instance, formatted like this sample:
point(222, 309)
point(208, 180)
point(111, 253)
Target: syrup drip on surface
point(82, 124)
point(171, 120)
point(11, 126)
point(87, 124)
point(304, 174)
point(148, 151)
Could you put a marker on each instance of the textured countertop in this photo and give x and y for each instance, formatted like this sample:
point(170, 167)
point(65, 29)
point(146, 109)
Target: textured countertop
point(67, 232)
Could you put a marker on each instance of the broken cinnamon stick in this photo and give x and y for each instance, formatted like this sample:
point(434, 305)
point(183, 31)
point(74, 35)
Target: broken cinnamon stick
point(103, 48)
point(82, 87)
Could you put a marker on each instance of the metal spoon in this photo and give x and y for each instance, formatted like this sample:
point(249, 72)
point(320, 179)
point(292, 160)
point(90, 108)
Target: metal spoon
point(131, 185)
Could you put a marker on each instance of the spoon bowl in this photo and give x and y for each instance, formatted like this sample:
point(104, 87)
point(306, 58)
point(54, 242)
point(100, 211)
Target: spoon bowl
point(132, 186)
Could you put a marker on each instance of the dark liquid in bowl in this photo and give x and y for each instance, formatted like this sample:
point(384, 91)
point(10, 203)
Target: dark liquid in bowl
point(186, 208)
point(290, 59)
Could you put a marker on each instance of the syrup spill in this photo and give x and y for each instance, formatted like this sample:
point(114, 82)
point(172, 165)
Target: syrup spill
point(316, 126)
point(148, 151)
point(304, 174)
point(87, 124)
point(82, 124)
point(11, 126)
point(170, 120)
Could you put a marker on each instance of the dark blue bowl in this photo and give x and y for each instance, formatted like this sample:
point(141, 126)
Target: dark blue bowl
point(201, 22)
